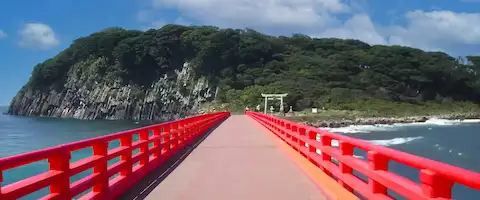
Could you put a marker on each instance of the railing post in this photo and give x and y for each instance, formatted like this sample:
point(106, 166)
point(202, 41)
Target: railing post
point(294, 136)
point(174, 136)
point(434, 185)
point(301, 143)
point(143, 136)
point(126, 141)
point(167, 138)
point(326, 142)
point(312, 136)
point(157, 143)
point(181, 133)
point(280, 130)
point(194, 128)
point(188, 131)
point(61, 162)
point(289, 128)
point(346, 149)
point(101, 185)
point(377, 162)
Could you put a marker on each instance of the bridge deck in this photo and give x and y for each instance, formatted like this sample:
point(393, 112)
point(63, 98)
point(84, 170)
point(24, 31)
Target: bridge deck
point(236, 161)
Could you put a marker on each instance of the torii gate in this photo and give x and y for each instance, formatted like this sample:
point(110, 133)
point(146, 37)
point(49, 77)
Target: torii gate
point(273, 97)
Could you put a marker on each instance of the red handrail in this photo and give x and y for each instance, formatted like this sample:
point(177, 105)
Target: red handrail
point(437, 179)
point(167, 139)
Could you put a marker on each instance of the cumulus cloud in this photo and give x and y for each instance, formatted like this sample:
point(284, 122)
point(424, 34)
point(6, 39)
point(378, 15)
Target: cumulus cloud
point(435, 30)
point(456, 27)
point(258, 14)
point(2, 34)
point(37, 36)
point(358, 27)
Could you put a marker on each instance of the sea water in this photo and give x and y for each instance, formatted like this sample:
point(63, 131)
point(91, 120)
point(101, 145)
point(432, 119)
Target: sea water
point(450, 141)
point(454, 142)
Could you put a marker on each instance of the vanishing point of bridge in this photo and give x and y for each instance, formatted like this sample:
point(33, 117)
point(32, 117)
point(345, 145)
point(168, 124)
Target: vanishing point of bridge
point(218, 156)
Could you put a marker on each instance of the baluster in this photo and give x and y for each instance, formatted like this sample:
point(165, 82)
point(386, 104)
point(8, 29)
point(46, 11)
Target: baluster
point(182, 133)
point(166, 135)
point(174, 136)
point(312, 137)
point(377, 162)
point(282, 128)
point(326, 141)
point(301, 142)
point(434, 185)
point(188, 131)
point(194, 128)
point(61, 162)
point(101, 185)
point(287, 126)
point(346, 149)
point(126, 141)
point(157, 142)
point(294, 136)
point(143, 137)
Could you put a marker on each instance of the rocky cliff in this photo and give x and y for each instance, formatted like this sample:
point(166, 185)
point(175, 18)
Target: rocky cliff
point(174, 95)
point(165, 73)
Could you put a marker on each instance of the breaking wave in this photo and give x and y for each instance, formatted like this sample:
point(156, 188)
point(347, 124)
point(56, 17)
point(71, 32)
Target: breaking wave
point(396, 126)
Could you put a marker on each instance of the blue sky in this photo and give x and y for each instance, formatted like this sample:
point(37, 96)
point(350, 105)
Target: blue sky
point(32, 31)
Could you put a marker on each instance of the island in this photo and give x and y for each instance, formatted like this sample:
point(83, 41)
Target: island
point(176, 71)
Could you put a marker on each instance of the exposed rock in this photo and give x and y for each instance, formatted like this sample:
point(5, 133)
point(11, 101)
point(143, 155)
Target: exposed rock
point(174, 95)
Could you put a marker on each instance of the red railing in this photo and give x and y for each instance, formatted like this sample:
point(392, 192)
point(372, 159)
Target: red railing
point(157, 143)
point(436, 179)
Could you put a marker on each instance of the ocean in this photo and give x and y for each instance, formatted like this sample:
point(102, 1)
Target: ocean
point(448, 141)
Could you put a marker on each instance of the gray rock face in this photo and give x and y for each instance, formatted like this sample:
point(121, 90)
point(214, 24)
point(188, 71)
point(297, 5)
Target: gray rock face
point(172, 96)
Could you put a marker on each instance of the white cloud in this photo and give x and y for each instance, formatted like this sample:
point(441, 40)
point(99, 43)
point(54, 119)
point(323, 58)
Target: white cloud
point(2, 34)
point(435, 30)
point(37, 36)
point(358, 27)
point(258, 14)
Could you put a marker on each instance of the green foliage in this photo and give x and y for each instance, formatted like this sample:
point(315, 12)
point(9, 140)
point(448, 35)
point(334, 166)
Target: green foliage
point(315, 72)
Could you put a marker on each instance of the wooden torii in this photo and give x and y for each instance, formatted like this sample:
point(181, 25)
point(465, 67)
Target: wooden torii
point(273, 97)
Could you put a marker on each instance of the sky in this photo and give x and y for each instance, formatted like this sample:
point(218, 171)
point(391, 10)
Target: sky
point(33, 31)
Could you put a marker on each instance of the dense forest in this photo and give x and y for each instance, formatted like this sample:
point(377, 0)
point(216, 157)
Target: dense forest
point(243, 63)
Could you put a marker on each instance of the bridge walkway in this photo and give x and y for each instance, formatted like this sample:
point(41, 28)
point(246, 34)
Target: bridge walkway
point(238, 160)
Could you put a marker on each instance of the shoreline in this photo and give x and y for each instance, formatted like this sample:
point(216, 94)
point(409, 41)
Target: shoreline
point(339, 123)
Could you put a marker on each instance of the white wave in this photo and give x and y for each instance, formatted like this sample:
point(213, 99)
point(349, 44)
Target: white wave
point(471, 121)
point(396, 126)
point(441, 122)
point(362, 128)
point(395, 141)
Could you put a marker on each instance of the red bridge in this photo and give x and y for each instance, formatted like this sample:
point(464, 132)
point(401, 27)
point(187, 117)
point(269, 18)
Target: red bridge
point(218, 156)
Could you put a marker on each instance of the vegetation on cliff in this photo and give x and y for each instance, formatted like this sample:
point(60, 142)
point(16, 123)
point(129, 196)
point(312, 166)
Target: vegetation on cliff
point(325, 72)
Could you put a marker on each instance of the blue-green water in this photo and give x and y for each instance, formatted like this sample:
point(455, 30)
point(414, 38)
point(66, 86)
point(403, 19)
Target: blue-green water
point(451, 142)
point(23, 134)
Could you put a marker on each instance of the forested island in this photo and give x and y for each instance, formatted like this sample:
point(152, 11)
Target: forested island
point(176, 71)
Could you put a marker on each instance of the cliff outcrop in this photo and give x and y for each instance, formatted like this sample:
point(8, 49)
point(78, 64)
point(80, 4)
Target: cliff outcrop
point(174, 95)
